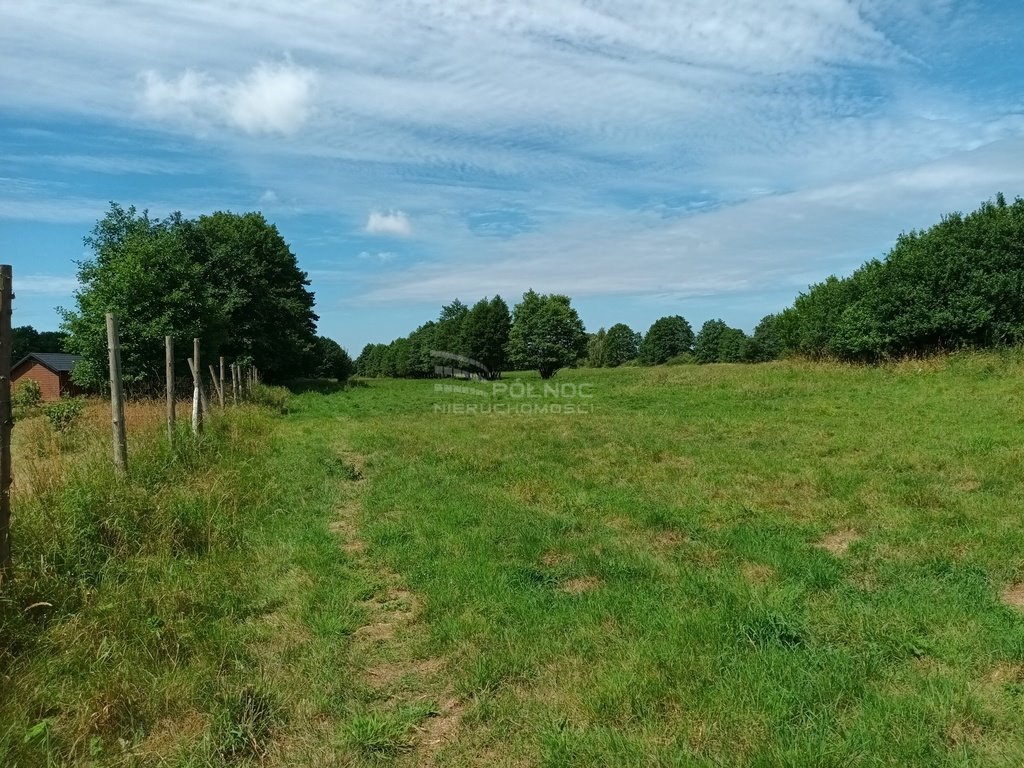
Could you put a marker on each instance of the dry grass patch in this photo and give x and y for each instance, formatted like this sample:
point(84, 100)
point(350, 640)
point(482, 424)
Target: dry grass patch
point(838, 542)
point(552, 559)
point(438, 729)
point(581, 585)
point(1013, 596)
point(757, 573)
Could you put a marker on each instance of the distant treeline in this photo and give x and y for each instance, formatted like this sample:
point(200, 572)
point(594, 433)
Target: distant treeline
point(958, 284)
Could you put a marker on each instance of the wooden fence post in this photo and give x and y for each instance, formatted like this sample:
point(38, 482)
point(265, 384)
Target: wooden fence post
point(6, 422)
point(116, 397)
point(169, 350)
point(234, 383)
point(213, 383)
point(220, 389)
point(197, 390)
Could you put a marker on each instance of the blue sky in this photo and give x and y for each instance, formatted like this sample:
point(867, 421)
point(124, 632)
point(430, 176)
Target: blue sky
point(708, 158)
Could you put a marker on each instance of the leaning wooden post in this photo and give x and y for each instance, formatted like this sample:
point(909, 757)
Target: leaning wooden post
point(6, 422)
point(116, 397)
point(169, 352)
point(197, 414)
point(216, 386)
point(220, 389)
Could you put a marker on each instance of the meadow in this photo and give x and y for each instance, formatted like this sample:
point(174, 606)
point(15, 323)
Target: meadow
point(776, 564)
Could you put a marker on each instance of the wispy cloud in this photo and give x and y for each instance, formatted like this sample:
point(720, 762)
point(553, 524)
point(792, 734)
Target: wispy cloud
point(44, 285)
point(599, 147)
point(379, 256)
point(392, 223)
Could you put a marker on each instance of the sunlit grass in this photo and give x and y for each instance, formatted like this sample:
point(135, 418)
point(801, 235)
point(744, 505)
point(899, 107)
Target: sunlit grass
point(783, 564)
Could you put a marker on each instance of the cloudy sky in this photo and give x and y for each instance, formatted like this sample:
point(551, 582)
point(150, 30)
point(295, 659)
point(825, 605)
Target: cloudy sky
point(648, 157)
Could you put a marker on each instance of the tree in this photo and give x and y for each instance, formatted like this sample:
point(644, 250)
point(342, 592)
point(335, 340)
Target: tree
point(546, 334)
point(596, 353)
point(26, 339)
point(331, 360)
point(706, 345)
point(766, 343)
point(228, 279)
point(668, 337)
point(152, 275)
point(484, 334)
point(255, 278)
point(370, 360)
point(622, 344)
point(448, 336)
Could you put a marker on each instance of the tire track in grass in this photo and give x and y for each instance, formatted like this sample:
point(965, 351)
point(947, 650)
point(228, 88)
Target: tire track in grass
point(415, 712)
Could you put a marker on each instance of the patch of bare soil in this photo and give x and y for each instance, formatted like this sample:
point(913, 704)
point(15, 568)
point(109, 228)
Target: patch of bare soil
point(1014, 595)
point(387, 674)
point(345, 528)
point(439, 729)
point(838, 542)
point(581, 585)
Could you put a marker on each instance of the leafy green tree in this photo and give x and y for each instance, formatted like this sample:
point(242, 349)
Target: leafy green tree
point(484, 334)
point(255, 278)
point(958, 283)
point(622, 344)
point(733, 346)
point(228, 279)
point(596, 349)
point(668, 337)
point(718, 343)
point(766, 343)
point(26, 339)
point(153, 276)
point(370, 362)
point(546, 334)
point(448, 336)
point(331, 360)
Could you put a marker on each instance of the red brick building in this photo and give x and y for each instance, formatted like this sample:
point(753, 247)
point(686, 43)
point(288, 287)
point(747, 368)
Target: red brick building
point(51, 370)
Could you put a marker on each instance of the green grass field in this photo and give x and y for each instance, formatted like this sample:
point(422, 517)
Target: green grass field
point(783, 564)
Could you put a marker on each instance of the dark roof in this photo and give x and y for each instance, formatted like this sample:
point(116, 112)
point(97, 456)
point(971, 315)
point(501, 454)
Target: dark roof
point(58, 362)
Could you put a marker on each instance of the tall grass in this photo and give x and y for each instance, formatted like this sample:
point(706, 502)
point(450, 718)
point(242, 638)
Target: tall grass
point(124, 606)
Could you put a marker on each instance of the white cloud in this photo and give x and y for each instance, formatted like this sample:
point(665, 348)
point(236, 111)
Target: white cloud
point(44, 285)
point(269, 99)
point(773, 242)
point(380, 256)
point(393, 223)
point(269, 197)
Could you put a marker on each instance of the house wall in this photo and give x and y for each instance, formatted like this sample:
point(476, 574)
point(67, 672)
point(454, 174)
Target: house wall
point(49, 382)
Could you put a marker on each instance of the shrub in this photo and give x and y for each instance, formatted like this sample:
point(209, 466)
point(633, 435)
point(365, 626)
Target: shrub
point(275, 398)
point(65, 413)
point(27, 394)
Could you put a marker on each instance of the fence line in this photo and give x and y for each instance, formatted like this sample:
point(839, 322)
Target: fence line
point(6, 421)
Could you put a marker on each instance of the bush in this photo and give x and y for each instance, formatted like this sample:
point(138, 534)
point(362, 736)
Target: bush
point(27, 394)
point(274, 398)
point(65, 413)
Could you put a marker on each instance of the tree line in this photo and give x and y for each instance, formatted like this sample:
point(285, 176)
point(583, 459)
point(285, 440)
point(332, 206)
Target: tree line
point(545, 333)
point(542, 332)
point(231, 280)
point(959, 283)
